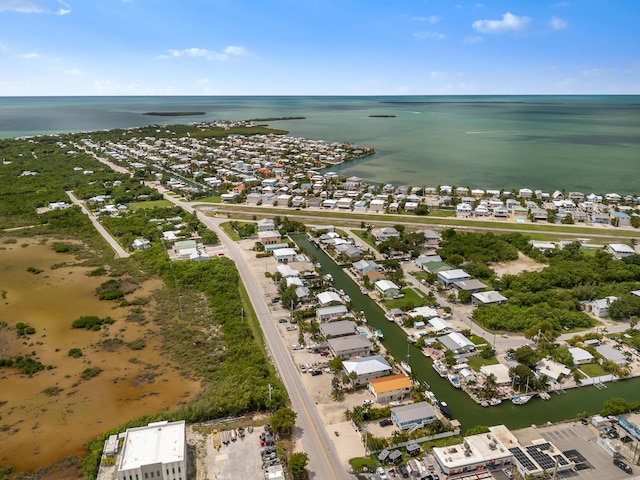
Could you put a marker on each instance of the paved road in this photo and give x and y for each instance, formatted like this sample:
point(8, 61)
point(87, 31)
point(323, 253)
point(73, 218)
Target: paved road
point(119, 251)
point(324, 463)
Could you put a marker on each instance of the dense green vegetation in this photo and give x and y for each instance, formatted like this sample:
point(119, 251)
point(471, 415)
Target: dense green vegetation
point(91, 322)
point(555, 294)
point(25, 365)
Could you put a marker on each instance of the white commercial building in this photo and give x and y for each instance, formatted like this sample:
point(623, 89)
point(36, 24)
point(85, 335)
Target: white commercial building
point(157, 451)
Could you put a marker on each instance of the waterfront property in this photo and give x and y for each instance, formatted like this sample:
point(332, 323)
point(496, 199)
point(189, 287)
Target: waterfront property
point(325, 314)
point(414, 415)
point(448, 277)
point(158, 450)
point(341, 328)
point(350, 346)
point(365, 369)
point(390, 388)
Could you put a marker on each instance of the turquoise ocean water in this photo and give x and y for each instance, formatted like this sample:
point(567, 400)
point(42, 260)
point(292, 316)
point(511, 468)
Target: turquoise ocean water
point(583, 143)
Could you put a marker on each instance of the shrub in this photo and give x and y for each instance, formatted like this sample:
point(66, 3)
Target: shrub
point(91, 322)
point(61, 247)
point(75, 353)
point(109, 290)
point(89, 373)
point(137, 344)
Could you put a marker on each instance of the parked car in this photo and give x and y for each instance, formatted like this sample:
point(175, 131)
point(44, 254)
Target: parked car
point(626, 439)
point(381, 473)
point(385, 422)
point(404, 471)
point(622, 466)
point(283, 320)
point(275, 299)
point(367, 401)
point(316, 372)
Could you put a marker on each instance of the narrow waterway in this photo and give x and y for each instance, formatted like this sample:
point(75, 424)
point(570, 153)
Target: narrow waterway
point(561, 406)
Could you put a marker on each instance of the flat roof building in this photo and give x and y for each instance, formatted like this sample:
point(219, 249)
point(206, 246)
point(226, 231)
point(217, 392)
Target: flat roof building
point(158, 450)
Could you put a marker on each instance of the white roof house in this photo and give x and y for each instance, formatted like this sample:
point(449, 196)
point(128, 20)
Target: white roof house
point(325, 314)
point(611, 354)
point(600, 307)
point(439, 325)
point(580, 356)
point(387, 287)
point(448, 277)
point(487, 298)
point(160, 445)
point(287, 271)
point(551, 369)
point(341, 328)
point(325, 298)
point(284, 254)
point(426, 312)
point(350, 346)
point(620, 250)
point(499, 371)
point(366, 368)
point(456, 342)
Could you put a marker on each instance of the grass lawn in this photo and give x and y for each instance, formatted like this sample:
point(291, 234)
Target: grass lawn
point(226, 226)
point(151, 204)
point(477, 340)
point(358, 464)
point(411, 299)
point(593, 369)
point(477, 362)
point(368, 239)
point(212, 199)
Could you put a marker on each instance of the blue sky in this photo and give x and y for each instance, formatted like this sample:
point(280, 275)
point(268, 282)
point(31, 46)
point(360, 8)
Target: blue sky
point(318, 47)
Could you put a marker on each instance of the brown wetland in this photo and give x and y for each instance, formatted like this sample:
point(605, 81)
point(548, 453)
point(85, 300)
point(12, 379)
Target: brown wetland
point(51, 414)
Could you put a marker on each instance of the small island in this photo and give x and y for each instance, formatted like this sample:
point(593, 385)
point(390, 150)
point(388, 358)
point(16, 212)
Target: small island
point(173, 114)
point(274, 119)
point(383, 115)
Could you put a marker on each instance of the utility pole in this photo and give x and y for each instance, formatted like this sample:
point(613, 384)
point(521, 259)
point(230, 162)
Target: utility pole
point(270, 389)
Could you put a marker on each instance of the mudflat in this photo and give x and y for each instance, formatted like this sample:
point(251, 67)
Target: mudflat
point(52, 413)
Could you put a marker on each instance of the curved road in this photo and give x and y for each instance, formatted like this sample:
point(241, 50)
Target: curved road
point(324, 463)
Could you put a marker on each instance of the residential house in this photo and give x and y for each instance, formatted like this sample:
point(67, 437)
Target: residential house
point(448, 277)
point(325, 314)
point(472, 285)
point(141, 244)
point(385, 233)
point(457, 343)
point(488, 298)
point(377, 206)
point(269, 237)
point(612, 355)
point(387, 288)
point(364, 266)
point(390, 388)
point(551, 370)
point(365, 369)
point(326, 298)
point(413, 415)
point(283, 255)
point(341, 328)
point(350, 346)
point(600, 307)
point(580, 356)
point(620, 219)
point(266, 225)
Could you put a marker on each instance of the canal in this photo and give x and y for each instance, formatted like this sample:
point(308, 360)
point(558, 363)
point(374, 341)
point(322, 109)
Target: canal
point(561, 406)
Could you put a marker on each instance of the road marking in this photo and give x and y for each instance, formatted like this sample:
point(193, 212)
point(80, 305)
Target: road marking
point(315, 432)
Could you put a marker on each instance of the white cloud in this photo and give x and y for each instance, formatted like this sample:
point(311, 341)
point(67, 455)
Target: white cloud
point(3, 48)
point(73, 71)
point(64, 9)
point(230, 51)
point(557, 23)
point(22, 6)
point(596, 72)
point(430, 19)
point(35, 6)
point(509, 23)
point(426, 35)
point(30, 56)
point(439, 75)
point(470, 40)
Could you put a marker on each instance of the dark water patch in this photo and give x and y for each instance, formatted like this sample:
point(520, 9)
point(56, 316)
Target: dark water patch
point(607, 140)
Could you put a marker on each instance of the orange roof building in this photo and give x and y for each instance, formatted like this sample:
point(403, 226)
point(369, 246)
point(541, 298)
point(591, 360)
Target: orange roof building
point(390, 388)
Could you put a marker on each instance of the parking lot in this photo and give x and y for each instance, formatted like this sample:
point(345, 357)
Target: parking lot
point(578, 443)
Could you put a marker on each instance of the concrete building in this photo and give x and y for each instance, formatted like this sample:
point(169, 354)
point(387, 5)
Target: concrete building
point(449, 277)
point(488, 298)
point(390, 388)
point(600, 307)
point(284, 255)
point(157, 451)
point(269, 237)
point(477, 452)
point(620, 250)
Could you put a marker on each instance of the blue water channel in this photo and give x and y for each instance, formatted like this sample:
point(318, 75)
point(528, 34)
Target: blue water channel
point(560, 407)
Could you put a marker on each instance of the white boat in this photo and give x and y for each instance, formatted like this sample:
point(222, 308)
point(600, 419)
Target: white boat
point(521, 399)
point(379, 335)
point(455, 381)
point(495, 401)
point(364, 291)
point(389, 317)
point(406, 367)
point(544, 396)
point(411, 338)
point(440, 368)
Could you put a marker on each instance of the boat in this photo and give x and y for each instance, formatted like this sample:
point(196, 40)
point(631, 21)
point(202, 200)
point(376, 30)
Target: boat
point(364, 291)
point(411, 338)
point(495, 401)
point(390, 317)
point(406, 367)
point(521, 399)
point(379, 335)
point(440, 368)
point(455, 381)
point(444, 408)
point(544, 395)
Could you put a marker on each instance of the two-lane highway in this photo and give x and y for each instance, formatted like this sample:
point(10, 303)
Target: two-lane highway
point(324, 463)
